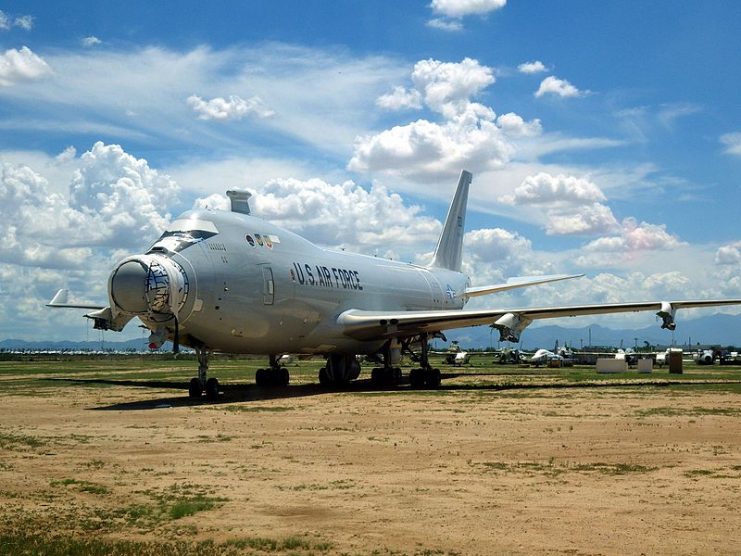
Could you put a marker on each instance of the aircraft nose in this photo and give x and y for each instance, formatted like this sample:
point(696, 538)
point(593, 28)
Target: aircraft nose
point(149, 284)
point(129, 287)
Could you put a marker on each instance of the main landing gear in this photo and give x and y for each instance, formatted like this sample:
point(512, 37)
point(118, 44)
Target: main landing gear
point(273, 376)
point(423, 377)
point(201, 384)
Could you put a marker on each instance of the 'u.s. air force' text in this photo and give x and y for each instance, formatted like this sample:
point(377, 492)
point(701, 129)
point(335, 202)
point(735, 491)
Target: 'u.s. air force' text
point(321, 276)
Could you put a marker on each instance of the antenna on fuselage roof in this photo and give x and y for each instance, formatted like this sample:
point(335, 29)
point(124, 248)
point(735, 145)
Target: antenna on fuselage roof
point(450, 245)
point(240, 200)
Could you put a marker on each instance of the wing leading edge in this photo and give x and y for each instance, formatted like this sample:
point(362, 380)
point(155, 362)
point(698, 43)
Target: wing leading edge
point(369, 325)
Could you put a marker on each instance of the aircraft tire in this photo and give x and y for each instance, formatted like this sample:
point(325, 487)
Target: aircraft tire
point(283, 378)
point(324, 377)
point(417, 378)
point(194, 389)
point(397, 375)
point(432, 378)
point(212, 388)
point(376, 376)
point(261, 377)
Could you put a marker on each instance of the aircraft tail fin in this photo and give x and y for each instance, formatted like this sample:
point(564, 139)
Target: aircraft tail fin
point(450, 245)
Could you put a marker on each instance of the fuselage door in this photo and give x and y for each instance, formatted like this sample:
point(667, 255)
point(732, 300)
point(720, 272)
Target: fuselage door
point(268, 291)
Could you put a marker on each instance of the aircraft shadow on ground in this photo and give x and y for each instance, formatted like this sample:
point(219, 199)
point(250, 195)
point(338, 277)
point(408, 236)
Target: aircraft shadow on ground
point(245, 393)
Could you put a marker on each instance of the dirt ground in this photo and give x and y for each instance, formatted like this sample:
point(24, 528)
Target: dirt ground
point(625, 469)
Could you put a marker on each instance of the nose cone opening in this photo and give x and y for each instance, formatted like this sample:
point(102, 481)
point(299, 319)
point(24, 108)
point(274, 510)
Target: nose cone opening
point(129, 287)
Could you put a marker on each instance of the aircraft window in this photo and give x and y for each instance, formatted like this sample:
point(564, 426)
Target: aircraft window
point(176, 241)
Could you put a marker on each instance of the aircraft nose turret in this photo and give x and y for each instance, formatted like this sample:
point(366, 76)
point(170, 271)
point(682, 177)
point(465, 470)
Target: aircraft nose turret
point(129, 287)
point(149, 285)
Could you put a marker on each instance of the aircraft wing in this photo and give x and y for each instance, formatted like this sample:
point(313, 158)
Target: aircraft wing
point(369, 325)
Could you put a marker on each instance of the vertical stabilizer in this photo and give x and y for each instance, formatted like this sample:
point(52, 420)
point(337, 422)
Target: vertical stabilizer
point(450, 245)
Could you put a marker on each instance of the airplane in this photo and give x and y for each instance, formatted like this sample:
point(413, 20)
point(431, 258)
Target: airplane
point(627, 355)
point(456, 356)
point(231, 282)
point(704, 357)
point(543, 357)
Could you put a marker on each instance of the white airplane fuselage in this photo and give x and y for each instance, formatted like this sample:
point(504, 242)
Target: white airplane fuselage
point(228, 281)
point(253, 287)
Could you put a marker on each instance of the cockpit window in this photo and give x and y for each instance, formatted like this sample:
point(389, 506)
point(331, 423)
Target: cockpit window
point(181, 234)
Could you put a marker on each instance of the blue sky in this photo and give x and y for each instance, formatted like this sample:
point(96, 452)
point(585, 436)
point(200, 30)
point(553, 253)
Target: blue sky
point(616, 152)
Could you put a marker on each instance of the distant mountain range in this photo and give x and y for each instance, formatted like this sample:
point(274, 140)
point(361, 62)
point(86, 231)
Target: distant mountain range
point(69, 345)
point(718, 329)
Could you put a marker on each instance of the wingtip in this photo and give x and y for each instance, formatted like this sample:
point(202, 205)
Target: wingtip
point(60, 298)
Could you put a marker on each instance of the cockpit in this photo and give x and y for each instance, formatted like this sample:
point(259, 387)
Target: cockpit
point(183, 233)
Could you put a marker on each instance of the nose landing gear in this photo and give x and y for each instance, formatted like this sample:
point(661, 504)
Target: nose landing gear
point(201, 384)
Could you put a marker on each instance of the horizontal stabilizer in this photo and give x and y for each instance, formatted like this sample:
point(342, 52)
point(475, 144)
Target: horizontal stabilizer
point(61, 301)
point(521, 282)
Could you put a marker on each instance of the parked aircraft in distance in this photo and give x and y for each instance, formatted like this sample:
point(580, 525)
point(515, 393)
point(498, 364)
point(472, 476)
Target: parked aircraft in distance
point(627, 355)
point(228, 281)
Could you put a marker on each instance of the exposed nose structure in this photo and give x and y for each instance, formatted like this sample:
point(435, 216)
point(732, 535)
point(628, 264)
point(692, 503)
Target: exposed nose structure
point(149, 285)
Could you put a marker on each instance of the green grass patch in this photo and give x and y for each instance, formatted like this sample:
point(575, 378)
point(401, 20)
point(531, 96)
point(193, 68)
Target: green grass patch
point(689, 411)
point(190, 506)
point(255, 408)
point(32, 542)
point(82, 486)
point(11, 441)
point(554, 469)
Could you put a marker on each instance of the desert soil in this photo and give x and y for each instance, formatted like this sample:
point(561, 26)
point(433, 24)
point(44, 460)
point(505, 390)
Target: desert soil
point(589, 470)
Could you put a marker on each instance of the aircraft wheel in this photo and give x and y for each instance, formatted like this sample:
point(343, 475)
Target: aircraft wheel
point(261, 377)
point(417, 378)
point(283, 377)
point(194, 389)
point(212, 388)
point(432, 378)
point(376, 376)
point(397, 374)
point(324, 377)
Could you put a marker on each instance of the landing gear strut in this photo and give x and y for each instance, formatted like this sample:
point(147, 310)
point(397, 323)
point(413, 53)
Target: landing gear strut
point(275, 375)
point(201, 383)
point(424, 376)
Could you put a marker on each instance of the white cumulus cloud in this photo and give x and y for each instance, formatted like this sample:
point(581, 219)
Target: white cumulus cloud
point(591, 219)
point(233, 108)
point(468, 135)
point(400, 98)
point(560, 87)
point(340, 215)
point(461, 8)
point(33, 221)
point(729, 254)
point(544, 188)
point(90, 41)
point(125, 197)
point(448, 87)
point(21, 65)
point(532, 67)
point(732, 142)
point(25, 22)
point(66, 155)
point(443, 24)
point(515, 126)
point(636, 237)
